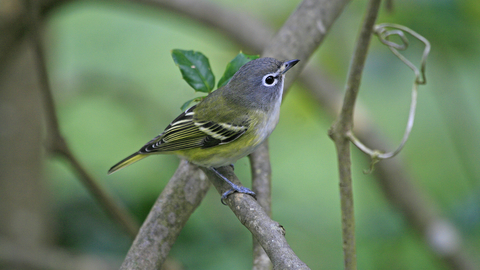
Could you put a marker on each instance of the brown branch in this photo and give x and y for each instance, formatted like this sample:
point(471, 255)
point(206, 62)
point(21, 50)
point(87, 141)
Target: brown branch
point(15, 27)
point(104, 199)
point(180, 197)
point(343, 126)
point(268, 233)
point(56, 143)
point(261, 185)
point(224, 20)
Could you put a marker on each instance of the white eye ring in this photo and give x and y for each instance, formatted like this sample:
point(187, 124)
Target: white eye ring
point(270, 80)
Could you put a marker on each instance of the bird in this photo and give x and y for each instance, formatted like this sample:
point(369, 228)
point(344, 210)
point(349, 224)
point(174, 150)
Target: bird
point(228, 124)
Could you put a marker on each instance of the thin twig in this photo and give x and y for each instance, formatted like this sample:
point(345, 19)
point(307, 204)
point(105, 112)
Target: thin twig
point(104, 199)
point(341, 128)
point(57, 144)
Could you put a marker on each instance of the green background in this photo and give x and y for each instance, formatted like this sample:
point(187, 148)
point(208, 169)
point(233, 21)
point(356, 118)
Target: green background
point(116, 87)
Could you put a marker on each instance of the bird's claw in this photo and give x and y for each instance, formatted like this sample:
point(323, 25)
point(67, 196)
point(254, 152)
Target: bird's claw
point(237, 189)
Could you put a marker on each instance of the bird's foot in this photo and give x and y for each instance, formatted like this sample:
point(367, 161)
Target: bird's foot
point(234, 188)
point(238, 189)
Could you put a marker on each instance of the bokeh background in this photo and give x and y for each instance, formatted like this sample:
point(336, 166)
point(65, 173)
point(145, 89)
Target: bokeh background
point(116, 86)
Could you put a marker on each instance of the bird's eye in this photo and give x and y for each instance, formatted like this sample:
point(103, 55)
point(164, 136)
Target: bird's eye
point(269, 80)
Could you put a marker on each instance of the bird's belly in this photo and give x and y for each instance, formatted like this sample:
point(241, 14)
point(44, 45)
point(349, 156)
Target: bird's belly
point(218, 156)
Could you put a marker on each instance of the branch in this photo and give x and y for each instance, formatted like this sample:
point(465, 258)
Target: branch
point(180, 197)
point(342, 127)
point(104, 199)
point(15, 27)
point(261, 185)
point(56, 142)
point(226, 21)
point(298, 38)
point(268, 233)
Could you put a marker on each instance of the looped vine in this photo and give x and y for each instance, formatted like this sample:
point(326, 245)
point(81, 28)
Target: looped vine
point(384, 32)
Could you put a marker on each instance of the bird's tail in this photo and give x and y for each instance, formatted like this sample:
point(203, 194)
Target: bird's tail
point(127, 161)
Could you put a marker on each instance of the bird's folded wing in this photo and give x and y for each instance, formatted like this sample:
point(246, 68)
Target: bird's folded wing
point(186, 133)
point(220, 133)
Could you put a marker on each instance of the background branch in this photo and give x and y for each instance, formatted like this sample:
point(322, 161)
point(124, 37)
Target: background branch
point(222, 19)
point(17, 256)
point(57, 143)
point(15, 26)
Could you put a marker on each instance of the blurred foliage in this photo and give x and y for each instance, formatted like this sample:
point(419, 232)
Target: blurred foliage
point(116, 87)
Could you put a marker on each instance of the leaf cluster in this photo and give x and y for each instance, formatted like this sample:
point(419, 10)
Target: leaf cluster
point(196, 71)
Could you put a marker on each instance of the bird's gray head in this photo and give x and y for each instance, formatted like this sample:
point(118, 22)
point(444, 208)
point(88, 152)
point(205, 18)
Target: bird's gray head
point(260, 81)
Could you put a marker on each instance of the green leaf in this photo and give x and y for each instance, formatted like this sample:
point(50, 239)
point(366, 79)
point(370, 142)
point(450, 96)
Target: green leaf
point(186, 105)
point(195, 69)
point(234, 65)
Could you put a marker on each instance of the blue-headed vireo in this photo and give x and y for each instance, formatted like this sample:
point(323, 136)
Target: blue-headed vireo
point(228, 124)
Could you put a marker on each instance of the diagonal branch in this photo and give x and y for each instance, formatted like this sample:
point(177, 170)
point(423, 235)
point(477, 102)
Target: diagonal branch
point(180, 197)
point(268, 233)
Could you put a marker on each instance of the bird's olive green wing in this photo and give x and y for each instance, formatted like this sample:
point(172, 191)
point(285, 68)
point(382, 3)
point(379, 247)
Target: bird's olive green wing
point(220, 133)
point(186, 133)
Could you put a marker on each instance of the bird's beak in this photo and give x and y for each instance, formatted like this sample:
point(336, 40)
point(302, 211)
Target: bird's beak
point(288, 65)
